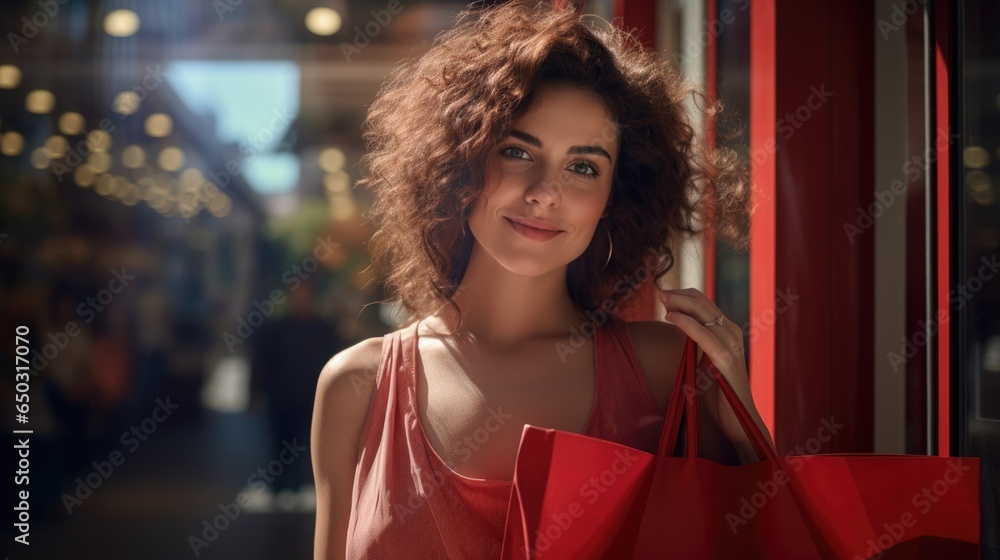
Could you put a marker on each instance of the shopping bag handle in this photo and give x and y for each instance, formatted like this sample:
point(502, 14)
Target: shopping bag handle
point(676, 408)
point(688, 406)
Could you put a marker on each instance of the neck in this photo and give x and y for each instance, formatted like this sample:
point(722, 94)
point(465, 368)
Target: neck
point(500, 308)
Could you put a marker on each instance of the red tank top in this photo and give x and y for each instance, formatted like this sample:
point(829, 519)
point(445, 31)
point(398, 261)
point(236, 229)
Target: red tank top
point(408, 503)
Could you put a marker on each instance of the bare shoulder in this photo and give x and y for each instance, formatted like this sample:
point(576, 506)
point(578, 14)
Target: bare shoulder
point(360, 359)
point(343, 396)
point(658, 345)
point(347, 381)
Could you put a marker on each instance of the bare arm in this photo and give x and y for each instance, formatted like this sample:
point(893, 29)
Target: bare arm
point(343, 396)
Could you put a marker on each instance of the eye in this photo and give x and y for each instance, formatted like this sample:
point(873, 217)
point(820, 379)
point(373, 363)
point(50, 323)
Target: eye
point(581, 167)
point(584, 168)
point(509, 152)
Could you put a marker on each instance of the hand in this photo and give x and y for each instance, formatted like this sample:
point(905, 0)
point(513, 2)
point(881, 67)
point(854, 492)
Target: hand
point(690, 309)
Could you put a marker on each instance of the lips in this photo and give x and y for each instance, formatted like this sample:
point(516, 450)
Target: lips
point(533, 229)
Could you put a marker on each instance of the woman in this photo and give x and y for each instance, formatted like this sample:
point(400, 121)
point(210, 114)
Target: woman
point(530, 171)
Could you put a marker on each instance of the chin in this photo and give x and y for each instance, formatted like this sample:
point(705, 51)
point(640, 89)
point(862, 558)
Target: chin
point(532, 269)
point(532, 265)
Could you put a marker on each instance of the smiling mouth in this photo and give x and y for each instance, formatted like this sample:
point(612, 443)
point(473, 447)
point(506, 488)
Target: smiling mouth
point(533, 233)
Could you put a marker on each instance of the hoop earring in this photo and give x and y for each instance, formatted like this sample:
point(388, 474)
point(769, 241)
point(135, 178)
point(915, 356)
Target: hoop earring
point(611, 246)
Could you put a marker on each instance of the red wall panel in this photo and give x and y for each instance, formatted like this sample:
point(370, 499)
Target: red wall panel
point(812, 118)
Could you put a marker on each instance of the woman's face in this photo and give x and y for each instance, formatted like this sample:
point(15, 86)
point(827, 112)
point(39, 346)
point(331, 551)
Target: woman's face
point(547, 184)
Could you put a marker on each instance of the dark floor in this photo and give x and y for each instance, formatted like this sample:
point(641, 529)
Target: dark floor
point(159, 498)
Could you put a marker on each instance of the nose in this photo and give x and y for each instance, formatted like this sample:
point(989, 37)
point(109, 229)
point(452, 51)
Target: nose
point(545, 191)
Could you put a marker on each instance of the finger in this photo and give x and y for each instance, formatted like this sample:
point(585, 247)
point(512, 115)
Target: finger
point(700, 308)
point(689, 300)
point(716, 349)
point(695, 303)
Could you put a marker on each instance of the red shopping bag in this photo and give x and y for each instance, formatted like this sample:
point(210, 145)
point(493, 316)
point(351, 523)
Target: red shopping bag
point(803, 507)
point(574, 497)
point(852, 506)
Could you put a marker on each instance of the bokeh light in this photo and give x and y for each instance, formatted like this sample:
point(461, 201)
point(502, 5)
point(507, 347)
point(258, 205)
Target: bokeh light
point(11, 143)
point(10, 76)
point(126, 103)
point(71, 123)
point(170, 158)
point(323, 21)
point(121, 23)
point(40, 101)
point(159, 125)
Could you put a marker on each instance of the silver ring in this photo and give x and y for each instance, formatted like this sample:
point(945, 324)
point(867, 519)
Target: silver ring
point(717, 321)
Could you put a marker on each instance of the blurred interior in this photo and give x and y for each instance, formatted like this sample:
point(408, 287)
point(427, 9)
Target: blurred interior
point(177, 182)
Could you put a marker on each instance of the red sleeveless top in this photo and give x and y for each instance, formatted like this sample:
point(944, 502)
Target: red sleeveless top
point(408, 503)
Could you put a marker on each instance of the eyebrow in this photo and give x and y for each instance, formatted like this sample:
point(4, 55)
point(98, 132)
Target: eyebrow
point(534, 141)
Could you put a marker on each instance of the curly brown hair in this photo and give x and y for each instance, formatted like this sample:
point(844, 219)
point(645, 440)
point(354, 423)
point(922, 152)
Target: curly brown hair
point(436, 119)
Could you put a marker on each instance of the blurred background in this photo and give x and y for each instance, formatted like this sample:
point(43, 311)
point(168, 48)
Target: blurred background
point(181, 236)
point(182, 242)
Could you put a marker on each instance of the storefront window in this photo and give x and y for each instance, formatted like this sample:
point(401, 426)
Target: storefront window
point(975, 295)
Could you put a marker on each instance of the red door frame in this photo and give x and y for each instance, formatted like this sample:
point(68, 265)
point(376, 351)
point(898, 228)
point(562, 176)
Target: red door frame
point(942, 22)
point(763, 234)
